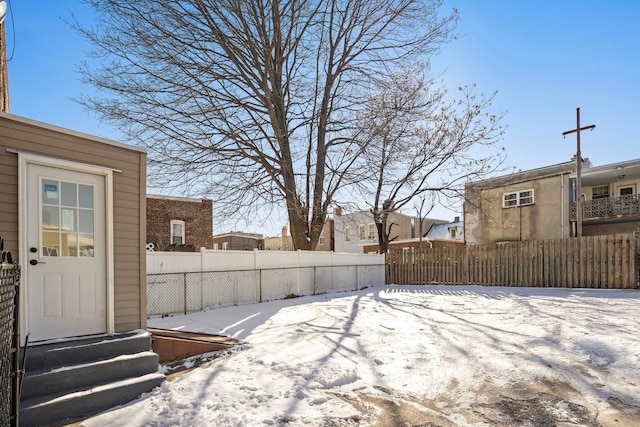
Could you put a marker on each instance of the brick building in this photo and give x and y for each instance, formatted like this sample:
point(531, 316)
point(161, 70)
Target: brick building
point(179, 224)
point(238, 241)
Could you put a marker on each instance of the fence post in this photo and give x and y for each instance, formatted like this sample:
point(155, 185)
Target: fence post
point(357, 269)
point(260, 285)
point(184, 282)
point(315, 272)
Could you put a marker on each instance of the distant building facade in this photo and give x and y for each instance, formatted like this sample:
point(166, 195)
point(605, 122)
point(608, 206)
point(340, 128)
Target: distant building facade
point(284, 242)
point(439, 235)
point(238, 241)
point(541, 203)
point(356, 232)
point(179, 224)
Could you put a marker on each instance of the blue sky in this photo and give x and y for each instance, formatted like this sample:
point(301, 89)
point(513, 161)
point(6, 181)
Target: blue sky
point(544, 58)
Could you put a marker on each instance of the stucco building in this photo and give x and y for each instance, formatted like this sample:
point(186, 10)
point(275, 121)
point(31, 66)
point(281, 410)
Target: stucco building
point(541, 203)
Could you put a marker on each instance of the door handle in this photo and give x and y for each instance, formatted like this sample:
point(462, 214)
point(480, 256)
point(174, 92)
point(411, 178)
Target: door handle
point(36, 262)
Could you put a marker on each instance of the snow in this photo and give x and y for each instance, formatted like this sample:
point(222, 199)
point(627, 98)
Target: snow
point(399, 355)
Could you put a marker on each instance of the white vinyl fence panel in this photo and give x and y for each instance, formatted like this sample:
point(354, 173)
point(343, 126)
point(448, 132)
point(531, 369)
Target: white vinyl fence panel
point(186, 282)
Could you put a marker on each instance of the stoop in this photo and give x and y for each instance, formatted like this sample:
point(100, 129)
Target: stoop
point(76, 379)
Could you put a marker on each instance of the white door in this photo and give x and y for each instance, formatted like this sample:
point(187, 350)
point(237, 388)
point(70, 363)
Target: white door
point(66, 253)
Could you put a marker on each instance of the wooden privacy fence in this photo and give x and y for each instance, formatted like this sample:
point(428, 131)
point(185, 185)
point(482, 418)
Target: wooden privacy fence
point(610, 261)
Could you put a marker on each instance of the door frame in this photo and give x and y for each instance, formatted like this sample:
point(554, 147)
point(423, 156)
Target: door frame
point(25, 159)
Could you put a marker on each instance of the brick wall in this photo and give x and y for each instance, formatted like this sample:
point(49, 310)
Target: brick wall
point(238, 242)
point(196, 214)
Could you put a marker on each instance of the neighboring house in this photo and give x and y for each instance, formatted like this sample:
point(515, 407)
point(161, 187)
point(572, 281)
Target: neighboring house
point(238, 241)
point(326, 242)
point(540, 203)
point(356, 232)
point(284, 242)
point(449, 234)
point(179, 224)
point(439, 235)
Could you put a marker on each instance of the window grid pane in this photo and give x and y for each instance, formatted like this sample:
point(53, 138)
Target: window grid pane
point(61, 227)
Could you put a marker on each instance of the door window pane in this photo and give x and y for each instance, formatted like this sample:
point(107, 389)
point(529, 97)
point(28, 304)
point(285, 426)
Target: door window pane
point(85, 246)
point(68, 219)
point(66, 229)
point(50, 219)
point(68, 244)
point(68, 194)
point(86, 221)
point(50, 246)
point(50, 192)
point(85, 196)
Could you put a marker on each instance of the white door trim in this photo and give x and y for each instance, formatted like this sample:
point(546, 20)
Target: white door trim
point(28, 158)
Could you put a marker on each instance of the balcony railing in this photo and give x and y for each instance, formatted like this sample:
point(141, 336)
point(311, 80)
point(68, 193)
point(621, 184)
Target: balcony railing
point(608, 207)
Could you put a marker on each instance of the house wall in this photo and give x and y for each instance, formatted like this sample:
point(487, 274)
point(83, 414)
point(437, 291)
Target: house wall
point(405, 227)
point(238, 242)
point(284, 242)
point(610, 228)
point(328, 243)
point(17, 133)
point(487, 222)
point(197, 215)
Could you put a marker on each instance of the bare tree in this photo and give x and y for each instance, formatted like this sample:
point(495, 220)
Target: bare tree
point(422, 213)
point(418, 143)
point(252, 102)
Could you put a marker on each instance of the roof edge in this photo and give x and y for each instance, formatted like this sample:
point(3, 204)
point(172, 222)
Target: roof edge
point(48, 126)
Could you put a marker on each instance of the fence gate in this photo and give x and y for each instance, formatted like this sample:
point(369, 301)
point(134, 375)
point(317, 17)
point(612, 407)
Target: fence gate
point(9, 339)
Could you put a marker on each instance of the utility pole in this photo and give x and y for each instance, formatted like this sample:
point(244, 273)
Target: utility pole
point(578, 171)
point(4, 75)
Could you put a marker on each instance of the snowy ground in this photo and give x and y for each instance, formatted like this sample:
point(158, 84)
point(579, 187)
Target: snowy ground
point(409, 356)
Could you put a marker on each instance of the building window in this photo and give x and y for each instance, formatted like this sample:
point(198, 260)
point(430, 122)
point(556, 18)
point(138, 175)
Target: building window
point(177, 232)
point(518, 198)
point(225, 246)
point(321, 239)
point(347, 234)
point(372, 231)
point(215, 246)
point(361, 232)
point(626, 191)
point(601, 192)
point(452, 233)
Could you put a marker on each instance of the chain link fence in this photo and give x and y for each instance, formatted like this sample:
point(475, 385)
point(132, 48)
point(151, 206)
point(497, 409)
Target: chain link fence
point(182, 293)
point(9, 344)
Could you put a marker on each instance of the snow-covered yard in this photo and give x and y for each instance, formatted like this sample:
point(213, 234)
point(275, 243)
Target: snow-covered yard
point(422, 355)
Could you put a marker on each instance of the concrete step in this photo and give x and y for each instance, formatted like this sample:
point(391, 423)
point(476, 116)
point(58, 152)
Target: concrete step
point(84, 350)
point(50, 381)
point(55, 408)
point(78, 378)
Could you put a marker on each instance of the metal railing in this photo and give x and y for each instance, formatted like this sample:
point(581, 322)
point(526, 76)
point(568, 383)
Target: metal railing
point(173, 293)
point(607, 207)
point(9, 339)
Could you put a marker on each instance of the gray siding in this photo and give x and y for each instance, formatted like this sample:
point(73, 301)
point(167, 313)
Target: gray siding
point(128, 201)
